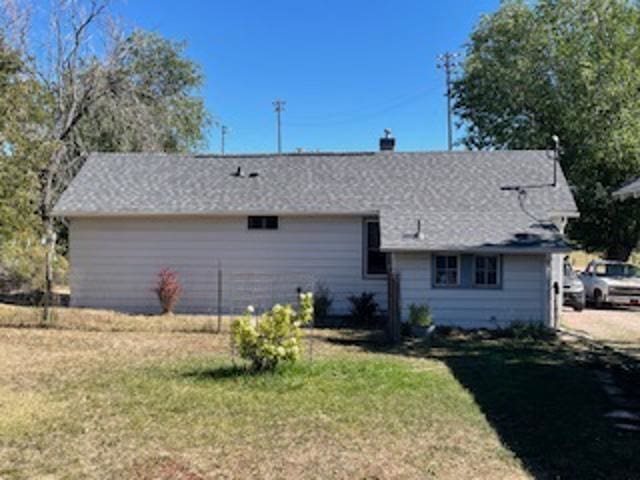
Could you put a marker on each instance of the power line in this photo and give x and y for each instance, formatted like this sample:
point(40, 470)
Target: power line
point(278, 106)
point(447, 61)
point(361, 114)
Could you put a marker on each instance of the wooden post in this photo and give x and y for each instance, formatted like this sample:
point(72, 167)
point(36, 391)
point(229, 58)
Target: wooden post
point(393, 298)
point(219, 297)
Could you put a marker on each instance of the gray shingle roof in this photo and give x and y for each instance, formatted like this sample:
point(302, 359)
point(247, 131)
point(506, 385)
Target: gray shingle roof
point(457, 195)
point(631, 189)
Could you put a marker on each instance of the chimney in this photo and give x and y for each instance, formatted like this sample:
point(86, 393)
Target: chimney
point(387, 143)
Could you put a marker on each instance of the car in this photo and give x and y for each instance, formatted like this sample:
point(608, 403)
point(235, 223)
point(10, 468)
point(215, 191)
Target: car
point(612, 283)
point(573, 288)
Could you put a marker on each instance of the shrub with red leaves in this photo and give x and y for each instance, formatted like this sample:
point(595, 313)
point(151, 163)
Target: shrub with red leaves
point(168, 290)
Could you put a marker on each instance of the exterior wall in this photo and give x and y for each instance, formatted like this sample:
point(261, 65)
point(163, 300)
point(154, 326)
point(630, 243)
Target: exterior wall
point(114, 261)
point(523, 295)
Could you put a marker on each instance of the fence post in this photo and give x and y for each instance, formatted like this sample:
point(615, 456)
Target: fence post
point(219, 297)
point(393, 298)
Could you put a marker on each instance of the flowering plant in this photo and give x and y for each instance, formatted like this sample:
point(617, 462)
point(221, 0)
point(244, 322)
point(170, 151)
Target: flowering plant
point(274, 337)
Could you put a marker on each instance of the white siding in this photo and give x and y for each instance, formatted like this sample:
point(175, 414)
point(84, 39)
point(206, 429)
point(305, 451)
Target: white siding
point(114, 261)
point(523, 296)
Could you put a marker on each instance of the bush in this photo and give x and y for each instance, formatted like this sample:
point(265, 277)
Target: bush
point(168, 290)
point(275, 337)
point(22, 265)
point(322, 301)
point(420, 315)
point(526, 331)
point(364, 309)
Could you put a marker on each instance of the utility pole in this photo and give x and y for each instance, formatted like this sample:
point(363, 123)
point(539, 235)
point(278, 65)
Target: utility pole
point(223, 132)
point(278, 106)
point(448, 63)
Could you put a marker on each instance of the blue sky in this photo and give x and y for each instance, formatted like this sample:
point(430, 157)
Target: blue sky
point(346, 69)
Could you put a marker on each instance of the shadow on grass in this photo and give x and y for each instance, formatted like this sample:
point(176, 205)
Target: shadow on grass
point(541, 397)
point(223, 372)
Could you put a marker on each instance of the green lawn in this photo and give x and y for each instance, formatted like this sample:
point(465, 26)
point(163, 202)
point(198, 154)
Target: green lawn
point(171, 404)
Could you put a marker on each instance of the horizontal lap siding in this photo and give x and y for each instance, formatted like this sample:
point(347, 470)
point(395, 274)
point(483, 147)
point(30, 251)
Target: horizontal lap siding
point(114, 261)
point(521, 297)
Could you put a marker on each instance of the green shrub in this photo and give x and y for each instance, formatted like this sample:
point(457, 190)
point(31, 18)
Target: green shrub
point(364, 309)
point(420, 315)
point(275, 337)
point(526, 331)
point(22, 265)
point(322, 301)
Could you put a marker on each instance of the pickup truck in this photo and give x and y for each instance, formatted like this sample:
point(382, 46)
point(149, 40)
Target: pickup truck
point(611, 282)
point(573, 288)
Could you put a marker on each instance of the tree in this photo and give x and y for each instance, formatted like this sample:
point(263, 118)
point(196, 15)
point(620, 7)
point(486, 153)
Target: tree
point(107, 91)
point(566, 68)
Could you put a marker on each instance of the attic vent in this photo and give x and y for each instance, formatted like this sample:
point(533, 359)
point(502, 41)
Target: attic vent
point(238, 173)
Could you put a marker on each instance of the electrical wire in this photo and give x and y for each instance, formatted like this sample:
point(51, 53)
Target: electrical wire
point(361, 114)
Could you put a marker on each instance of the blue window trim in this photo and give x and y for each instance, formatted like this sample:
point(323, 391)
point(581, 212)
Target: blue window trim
point(466, 272)
point(433, 269)
point(498, 285)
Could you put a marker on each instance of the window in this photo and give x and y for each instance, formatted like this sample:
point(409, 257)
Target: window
point(447, 271)
point(262, 223)
point(376, 261)
point(486, 270)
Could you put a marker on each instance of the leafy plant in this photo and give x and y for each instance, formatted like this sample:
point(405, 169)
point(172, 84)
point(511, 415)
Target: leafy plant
point(526, 331)
point(274, 337)
point(420, 315)
point(364, 308)
point(322, 301)
point(168, 290)
point(22, 264)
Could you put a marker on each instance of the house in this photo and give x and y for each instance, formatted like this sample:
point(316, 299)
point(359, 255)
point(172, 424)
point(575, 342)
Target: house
point(478, 236)
point(629, 190)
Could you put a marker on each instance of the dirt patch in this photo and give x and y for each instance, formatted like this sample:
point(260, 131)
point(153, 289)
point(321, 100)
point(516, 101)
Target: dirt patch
point(618, 328)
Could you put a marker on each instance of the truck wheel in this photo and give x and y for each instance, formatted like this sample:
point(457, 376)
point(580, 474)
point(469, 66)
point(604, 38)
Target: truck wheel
point(578, 306)
point(597, 299)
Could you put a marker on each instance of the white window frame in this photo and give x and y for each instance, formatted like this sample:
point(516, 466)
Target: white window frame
point(486, 275)
point(365, 251)
point(458, 270)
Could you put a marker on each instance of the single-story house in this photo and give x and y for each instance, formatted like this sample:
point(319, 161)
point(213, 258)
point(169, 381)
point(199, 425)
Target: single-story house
point(477, 236)
point(629, 190)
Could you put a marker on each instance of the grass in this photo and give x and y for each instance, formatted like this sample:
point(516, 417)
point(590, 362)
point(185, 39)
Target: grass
point(171, 404)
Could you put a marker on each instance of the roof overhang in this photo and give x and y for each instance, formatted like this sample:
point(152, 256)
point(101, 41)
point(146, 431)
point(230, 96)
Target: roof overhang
point(493, 250)
point(141, 214)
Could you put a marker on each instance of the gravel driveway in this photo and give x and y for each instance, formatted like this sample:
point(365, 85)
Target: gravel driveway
point(619, 328)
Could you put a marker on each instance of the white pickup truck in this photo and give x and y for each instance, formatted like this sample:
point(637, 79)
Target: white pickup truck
point(610, 282)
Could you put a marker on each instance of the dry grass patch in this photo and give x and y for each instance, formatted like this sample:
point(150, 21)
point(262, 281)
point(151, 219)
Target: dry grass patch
point(161, 404)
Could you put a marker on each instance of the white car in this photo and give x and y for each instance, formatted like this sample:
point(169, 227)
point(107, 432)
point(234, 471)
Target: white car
point(610, 282)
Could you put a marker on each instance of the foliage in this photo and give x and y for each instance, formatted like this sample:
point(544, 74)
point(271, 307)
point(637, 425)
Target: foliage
point(525, 331)
point(420, 315)
point(364, 308)
point(322, 301)
point(168, 290)
point(22, 264)
point(22, 104)
point(275, 337)
point(571, 69)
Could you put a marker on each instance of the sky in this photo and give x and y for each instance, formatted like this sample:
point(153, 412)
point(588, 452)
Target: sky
point(346, 69)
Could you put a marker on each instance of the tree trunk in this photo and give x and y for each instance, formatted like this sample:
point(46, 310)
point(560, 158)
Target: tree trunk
point(50, 245)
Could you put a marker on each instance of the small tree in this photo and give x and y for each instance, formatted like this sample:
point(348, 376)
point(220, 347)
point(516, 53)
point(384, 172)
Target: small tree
point(168, 290)
point(275, 337)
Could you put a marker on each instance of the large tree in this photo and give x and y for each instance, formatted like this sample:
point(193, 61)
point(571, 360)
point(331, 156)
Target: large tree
point(106, 90)
point(567, 68)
